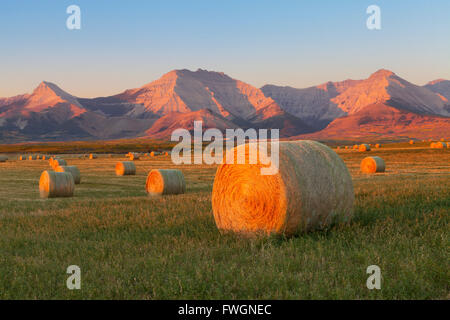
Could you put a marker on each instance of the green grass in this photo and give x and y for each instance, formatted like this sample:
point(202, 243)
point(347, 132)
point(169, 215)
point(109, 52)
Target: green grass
point(132, 247)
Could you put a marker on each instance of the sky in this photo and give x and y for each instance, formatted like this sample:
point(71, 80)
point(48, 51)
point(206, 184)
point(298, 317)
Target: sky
point(126, 44)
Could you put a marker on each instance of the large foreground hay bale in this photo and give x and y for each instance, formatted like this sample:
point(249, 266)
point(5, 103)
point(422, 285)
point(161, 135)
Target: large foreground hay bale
point(3, 158)
point(165, 181)
point(73, 170)
point(373, 165)
point(56, 184)
point(364, 147)
point(55, 163)
point(312, 189)
point(125, 168)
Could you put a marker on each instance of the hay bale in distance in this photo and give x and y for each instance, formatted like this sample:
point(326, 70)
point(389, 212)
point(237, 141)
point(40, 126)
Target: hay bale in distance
point(440, 145)
point(364, 147)
point(56, 184)
point(3, 158)
point(125, 168)
point(165, 181)
point(373, 165)
point(134, 156)
point(73, 170)
point(55, 163)
point(312, 189)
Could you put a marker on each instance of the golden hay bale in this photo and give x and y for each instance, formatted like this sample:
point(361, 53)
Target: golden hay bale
point(125, 168)
point(364, 147)
point(165, 181)
point(55, 163)
point(134, 156)
point(73, 170)
point(312, 189)
point(93, 156)
point(56, 184)
point(373, 165)
point(440, 145)
point(3, 158)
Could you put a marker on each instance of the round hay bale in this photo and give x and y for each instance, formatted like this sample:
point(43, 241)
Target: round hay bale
point(3, 158)
point(165, 181)
point(55, 163)
point(73, 170)
point(373, 165)
point(440, 145)
point(56, 184)
point(125, 168)
point(134, 156)
point(364, 147)
point(312, 189)
point(32, 157)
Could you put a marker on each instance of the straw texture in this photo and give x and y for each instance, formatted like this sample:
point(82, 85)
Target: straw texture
point(56, 184)
point(312, 189)
point(165, 181)
point(373, 165)
point(125, 168)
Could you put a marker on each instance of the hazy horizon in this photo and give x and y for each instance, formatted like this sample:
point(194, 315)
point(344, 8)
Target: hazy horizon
point(298, 44)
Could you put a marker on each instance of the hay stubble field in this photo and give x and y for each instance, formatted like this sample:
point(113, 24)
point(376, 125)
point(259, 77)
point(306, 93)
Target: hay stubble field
point(130, 246)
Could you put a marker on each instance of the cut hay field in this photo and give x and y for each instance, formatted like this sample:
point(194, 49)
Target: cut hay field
point(129, 246)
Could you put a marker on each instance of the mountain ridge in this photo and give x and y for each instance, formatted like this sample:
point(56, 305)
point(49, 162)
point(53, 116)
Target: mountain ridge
point(50, 113)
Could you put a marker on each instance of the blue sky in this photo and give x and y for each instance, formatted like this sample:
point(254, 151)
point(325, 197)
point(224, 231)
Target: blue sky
point(125, 44)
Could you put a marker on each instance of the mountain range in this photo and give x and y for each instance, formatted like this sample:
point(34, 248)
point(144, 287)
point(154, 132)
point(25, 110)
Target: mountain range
point(383, 105)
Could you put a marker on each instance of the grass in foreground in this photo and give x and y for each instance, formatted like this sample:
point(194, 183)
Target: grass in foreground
point(132, 247)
